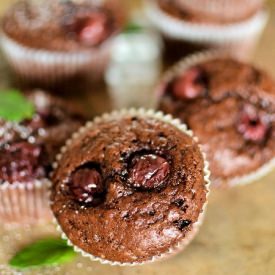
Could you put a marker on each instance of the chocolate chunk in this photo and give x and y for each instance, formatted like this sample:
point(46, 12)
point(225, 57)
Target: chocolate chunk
point(181, 224)
point(179, 202)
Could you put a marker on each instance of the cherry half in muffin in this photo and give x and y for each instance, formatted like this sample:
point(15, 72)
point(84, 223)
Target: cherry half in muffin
point(90, 25)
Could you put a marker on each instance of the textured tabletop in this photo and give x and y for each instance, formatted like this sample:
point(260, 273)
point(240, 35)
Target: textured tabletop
point(238, 236)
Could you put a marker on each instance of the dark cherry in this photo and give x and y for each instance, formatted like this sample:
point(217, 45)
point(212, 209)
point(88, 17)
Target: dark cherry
point(93, 29)
point(148, 172)
point(252, 125)
point(21, 161)
point(190, 85)
point(87, 186)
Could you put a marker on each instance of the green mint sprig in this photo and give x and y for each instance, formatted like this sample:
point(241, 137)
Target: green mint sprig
point(132, 28)
point(14, 106)
point(45, 252)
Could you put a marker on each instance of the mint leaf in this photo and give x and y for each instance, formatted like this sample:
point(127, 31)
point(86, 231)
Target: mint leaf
point(133, 28)
point(43, 253)
point(14, 106)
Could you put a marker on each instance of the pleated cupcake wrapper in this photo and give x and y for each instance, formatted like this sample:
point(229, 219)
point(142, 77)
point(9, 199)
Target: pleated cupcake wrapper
point(180, 68)
point(220, 8)
point(228, 34)
point(146, 114)
point(22, 202)
point(51, 66)
point(254, 176)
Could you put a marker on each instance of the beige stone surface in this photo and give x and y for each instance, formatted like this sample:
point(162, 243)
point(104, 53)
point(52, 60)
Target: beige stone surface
point(237, 238)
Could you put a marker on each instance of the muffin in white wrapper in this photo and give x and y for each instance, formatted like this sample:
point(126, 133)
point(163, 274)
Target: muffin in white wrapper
point(244, 73)
point(222, 10)
point(25, 202)
point(238, 38)
point(33, 128)
point(61, 209)
point(50, 67)
point(76, 41)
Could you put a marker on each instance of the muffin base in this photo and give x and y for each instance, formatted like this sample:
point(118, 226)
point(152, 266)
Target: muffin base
point(52, 66)
point(165, 118)
point(239, 39)
point(25, 202)
point(252, 177)
point(223, 10)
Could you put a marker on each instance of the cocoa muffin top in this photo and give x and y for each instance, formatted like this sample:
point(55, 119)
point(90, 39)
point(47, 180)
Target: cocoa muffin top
point(195, 13)
point(230, 106)
point(28, 147)
point(128, 188)
point(62, 25)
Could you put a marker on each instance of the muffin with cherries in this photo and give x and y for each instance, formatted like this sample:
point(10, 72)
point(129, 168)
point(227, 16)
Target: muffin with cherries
point(130, 188)
point(33, 127)
point(230, 107)
point(76, 37)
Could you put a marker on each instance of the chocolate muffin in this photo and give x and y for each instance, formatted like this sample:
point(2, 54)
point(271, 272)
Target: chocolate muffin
point(130, 188)
point(76, 35)
point(191, 26)
point(230, 106)
point(212, 12)
point(27, 150)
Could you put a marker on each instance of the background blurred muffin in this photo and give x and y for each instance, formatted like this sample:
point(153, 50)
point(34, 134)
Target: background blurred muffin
point(186, 30)
point(28, 145)
point(220, 11)
point(48, 41)
point(230, 106)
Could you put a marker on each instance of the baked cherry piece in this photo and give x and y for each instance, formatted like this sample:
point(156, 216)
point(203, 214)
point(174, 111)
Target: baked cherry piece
point(148, 172)
point(87, 185)
point(253, 126)
point(93, 29)
point(190, 85)
point(21, 161)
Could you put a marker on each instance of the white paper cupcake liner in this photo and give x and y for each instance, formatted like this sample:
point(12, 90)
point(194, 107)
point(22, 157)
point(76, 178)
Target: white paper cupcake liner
point(254, 176)
point(51, 66)
point(181, 67)
point(175, 28)
point(147, 114)
point(22, 202)
point(221, 8)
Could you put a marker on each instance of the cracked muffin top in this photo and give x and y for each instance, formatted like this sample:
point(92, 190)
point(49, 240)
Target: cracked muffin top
point(230, 106)
point(129, 188)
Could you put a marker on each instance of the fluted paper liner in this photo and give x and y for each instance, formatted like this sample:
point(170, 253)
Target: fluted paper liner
point(167, 119)
point(184, 65)
point(25, 202)
point(175, 28)
point(221, 8)
point(51, 66)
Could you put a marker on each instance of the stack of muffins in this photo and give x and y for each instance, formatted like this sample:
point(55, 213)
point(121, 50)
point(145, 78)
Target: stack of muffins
point(131, 186)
